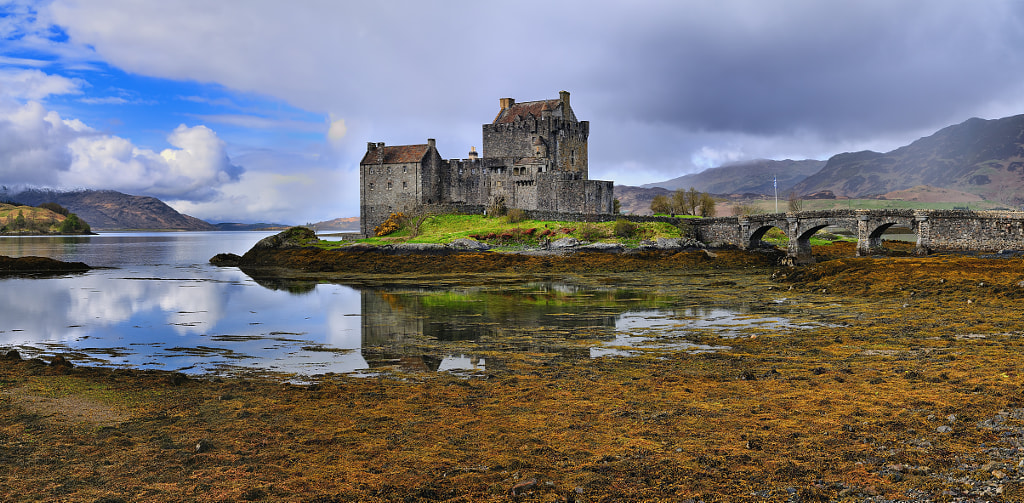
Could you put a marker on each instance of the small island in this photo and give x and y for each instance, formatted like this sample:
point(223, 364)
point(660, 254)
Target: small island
point(46, 219)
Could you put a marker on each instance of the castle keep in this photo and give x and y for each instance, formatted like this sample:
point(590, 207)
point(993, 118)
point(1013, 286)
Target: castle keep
point(534, 158)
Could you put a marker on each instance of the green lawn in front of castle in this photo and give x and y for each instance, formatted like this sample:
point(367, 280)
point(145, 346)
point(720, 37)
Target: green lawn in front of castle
point(507, 232)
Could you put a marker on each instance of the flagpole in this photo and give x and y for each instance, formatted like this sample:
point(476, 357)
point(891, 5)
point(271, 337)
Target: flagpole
point(775, 184)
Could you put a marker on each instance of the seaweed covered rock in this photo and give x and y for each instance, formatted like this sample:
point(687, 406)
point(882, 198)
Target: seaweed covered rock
point(225, 260)
point(294, 237)
point(38, 265)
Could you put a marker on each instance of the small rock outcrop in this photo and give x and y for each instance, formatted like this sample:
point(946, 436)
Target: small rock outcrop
point(295, 237)
point(565, 243)
point(225, 260)
point(38, 265)
point(468, 244)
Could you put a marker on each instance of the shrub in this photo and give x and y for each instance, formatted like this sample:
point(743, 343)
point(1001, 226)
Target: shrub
point(624, 228)
point(516, 215)
point(74, 225)
point(497, 207)
point(56, 208)
point(590, 232)
point(392, 224)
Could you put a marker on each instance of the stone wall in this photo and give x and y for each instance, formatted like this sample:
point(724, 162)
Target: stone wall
point(717, 232)
point(970, 230)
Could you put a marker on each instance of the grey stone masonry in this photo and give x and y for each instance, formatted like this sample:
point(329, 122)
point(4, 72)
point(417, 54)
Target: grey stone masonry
point(534, 158)
point(987, 231)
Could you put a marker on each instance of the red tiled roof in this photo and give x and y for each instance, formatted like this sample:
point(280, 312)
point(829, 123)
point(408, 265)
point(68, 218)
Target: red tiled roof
point(524, 110)
point(396, 154)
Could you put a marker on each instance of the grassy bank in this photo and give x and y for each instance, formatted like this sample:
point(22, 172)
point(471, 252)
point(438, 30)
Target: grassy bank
point(508, 231)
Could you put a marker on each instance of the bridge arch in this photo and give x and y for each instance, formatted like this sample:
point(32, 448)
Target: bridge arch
point(754, 240)
point(873, 224)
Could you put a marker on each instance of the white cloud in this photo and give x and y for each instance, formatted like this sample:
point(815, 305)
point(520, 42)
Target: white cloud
point(39, 148)
point(337, 131)
point(312, 195)
point(195, 169)
point(34, 143)
point(107, 100)
point(35, 84)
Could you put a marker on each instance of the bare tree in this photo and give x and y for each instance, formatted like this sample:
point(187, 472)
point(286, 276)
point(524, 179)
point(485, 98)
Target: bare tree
point(660, 205)
point(795, 202)
point(706, 205)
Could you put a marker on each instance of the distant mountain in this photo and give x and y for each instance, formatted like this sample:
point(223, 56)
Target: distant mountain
point(748, 177)
point(111, 210)
point(262, 226)
point(981, 157)
point(338, 224)
point(637, 200)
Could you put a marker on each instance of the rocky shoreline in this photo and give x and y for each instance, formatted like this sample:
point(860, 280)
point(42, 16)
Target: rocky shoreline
point(294, 253)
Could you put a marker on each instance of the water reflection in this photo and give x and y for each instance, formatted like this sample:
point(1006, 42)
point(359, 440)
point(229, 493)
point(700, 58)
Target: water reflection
point(161, 305)
point(423, 328)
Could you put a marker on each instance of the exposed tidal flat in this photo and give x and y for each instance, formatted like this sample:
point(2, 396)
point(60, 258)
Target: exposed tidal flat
point(725, 378)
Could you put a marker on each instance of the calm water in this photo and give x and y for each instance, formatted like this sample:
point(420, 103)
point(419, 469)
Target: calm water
point(158, 303)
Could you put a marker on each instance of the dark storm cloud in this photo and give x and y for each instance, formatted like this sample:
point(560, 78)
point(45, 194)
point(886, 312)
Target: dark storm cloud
point(838, 68)
point(669, 86)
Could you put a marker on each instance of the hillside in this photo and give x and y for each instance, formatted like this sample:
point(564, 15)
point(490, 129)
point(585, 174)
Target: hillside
point(111, 210)
point(748, 177)
point(981, 157)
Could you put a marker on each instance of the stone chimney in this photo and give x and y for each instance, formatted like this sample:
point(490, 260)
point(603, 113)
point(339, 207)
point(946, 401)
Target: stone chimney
point(432, 143)
point(506, 102)
point(563, 96)
point(472, 154)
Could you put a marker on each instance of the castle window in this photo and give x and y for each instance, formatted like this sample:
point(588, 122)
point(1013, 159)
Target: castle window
point(405, 185)
point(371, 185)
point(389, 185)
point(405, 169)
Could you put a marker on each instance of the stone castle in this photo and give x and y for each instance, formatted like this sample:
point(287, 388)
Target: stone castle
point(534, 158)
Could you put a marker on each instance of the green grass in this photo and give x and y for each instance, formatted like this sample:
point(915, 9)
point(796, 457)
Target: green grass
point(776, 237)
point(447, 228)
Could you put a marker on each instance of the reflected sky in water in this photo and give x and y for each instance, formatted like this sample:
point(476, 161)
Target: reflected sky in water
point(159, 304)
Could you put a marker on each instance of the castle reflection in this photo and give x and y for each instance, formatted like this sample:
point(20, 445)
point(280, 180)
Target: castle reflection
point(475, 328)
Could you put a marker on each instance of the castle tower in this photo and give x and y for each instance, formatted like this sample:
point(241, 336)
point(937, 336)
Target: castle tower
point(517, 127)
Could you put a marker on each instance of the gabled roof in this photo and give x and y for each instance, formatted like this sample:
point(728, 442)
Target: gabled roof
point(396, 154)
point(525, 109)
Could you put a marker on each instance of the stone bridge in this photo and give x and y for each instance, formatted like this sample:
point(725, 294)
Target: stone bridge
point(935, 229)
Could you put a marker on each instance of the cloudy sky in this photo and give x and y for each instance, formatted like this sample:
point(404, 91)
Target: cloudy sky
point(252, 110)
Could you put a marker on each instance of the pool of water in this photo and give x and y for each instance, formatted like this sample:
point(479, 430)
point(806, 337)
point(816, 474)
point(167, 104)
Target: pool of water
point(158, 303)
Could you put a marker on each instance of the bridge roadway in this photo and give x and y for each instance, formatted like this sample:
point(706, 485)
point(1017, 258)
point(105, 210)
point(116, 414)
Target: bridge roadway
point(935, 229)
